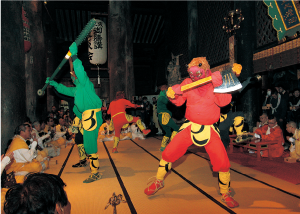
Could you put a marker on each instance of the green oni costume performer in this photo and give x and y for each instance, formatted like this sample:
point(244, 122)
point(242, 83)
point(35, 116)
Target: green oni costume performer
point(87, 107)
point(229, 120)
point(165, 119)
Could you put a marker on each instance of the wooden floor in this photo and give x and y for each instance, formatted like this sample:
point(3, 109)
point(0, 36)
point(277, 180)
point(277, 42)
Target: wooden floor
point(191, 187)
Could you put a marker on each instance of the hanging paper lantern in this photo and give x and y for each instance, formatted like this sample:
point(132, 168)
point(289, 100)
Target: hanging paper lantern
point(97, 43)
point(26, 34)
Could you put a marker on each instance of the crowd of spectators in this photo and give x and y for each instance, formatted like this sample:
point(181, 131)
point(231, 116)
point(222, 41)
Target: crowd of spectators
point(280, 109)
point(33, 145)
point(283, 104)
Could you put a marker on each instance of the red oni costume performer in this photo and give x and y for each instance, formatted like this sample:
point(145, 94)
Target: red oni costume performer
point(202, 114)
point(119, 118)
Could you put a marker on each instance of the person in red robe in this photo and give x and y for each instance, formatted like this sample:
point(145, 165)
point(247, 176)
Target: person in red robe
point(119, 118)
point(272, 132)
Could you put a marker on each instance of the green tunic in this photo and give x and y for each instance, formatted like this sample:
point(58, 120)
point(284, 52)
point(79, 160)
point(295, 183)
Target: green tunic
point(85, 98)
point(162, 102)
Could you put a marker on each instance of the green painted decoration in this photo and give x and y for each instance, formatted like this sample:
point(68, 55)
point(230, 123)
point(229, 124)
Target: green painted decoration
point(285, 17)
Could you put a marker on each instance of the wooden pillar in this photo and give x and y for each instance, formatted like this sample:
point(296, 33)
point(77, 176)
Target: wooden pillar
point(35, 62)
point(245, 38)
point(120, 50)
point(13, 108)
point(51, 53)
point(232, 52)
point(192, 11)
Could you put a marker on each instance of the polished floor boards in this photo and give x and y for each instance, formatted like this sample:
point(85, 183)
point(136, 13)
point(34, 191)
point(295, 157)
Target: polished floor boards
point(191, 187)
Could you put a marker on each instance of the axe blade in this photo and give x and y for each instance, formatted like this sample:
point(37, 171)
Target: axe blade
point(230, 82)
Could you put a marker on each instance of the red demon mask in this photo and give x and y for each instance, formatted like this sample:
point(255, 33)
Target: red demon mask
point(199, 68)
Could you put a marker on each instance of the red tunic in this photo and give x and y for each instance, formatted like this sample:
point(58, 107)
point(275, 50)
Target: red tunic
point(120, 105)
point(202, 104)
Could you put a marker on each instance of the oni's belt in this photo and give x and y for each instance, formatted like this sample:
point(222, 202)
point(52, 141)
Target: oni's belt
point(200, 134)
point(89, 119)
point(165, 118)
point(128, 117)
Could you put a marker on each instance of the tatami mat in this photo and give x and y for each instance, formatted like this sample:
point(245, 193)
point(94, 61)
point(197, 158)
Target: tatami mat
point(190, 188)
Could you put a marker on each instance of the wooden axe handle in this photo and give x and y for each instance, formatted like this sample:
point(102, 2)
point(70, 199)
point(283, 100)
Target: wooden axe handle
point(196, 83)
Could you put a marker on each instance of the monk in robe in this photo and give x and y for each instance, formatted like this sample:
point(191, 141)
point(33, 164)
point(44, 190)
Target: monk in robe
point(271, 132)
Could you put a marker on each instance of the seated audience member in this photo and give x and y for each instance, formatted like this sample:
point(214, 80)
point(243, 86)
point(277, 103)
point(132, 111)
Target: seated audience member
point(263, 120)
point(61, 127)
point(126, 132)
point(24, 157)
point(36, 130)
point(42, 138)
point(271, 132)
point(54, 111)
point(49, 125)
point(68, 120)
point(53, 140)
point(105, 131)
point(61, 112)
point(4, 161)
point(62, 133)
point(40, 193)
point(295, 141)
point(136, 132)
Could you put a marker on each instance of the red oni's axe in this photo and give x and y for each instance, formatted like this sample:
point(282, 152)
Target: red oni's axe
point(229, 77)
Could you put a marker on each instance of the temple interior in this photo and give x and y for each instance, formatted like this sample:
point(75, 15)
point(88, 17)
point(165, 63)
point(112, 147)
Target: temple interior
point(137, 47)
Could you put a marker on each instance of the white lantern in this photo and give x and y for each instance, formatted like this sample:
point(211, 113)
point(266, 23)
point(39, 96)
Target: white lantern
point(97, 43)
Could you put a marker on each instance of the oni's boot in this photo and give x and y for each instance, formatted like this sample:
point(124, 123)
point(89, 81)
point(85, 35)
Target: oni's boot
point(94, 165)
point(116, 142)
point(224, 184)
point(142, 128)
point(82, 162)
point(173, 135)
point(158, 183)
point(164, 143)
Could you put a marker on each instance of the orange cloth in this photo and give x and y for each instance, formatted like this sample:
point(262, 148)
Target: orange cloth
point(275, 135)
point(33, 166)
point(101, 133)
point(59, 128)
point(123, 135)
point(103, 128)
point(3, 193)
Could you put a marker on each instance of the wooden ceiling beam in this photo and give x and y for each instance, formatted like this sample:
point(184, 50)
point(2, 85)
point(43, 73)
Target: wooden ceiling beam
point(100, 6)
